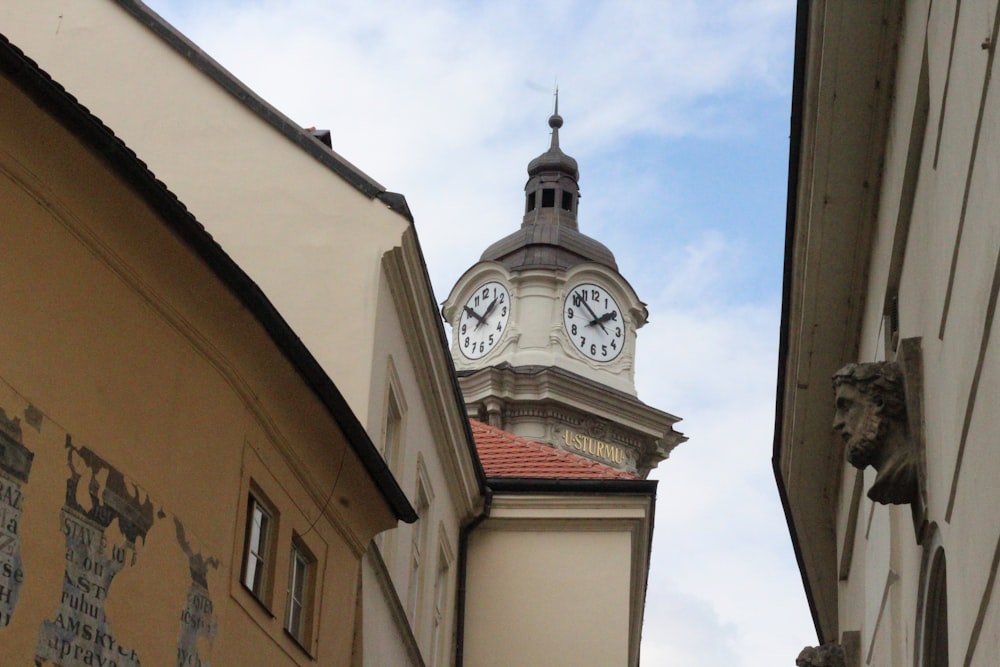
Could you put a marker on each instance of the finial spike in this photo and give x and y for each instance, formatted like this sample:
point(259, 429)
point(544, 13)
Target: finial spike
point(555, 121)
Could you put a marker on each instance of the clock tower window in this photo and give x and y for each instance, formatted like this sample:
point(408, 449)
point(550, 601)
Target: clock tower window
point(531, 203)
point(548, 198)
point(567, 201)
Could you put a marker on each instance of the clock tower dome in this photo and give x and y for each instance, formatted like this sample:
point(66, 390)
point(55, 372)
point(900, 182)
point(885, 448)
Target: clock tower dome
point(544, 330)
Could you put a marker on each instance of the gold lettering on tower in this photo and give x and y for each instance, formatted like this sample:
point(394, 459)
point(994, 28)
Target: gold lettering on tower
point(594, 447)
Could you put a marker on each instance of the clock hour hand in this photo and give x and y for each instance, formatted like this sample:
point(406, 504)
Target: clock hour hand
point(473, 314)
point(597, 321)
point(613, 315)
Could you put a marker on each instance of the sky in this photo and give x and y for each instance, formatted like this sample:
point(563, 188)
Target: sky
point(678, 114)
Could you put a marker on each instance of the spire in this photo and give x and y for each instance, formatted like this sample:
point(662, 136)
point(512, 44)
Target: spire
point(554, 161)
point(555, 122)
point(549, 236)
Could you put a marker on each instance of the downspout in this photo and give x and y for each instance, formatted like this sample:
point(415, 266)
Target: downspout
point(463, 560)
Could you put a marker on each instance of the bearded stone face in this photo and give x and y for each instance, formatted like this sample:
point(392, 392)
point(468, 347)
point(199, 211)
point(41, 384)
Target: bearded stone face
point(827, 655)
point(871, 419)
point(859, 424)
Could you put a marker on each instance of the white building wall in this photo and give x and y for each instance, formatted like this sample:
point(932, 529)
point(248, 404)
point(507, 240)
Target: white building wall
point(953, 220)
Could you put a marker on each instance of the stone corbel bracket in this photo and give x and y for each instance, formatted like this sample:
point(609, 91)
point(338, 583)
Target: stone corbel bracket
point(827, 655)
point(880, 416)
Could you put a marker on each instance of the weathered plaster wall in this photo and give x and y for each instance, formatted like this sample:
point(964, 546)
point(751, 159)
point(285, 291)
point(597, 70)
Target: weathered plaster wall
point(148, 399)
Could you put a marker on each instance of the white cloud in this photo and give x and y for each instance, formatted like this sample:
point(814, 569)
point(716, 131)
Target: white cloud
point(720, 540)
point(688, 632)
point(447, 102)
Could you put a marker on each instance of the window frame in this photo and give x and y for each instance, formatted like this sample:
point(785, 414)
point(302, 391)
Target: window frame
point(419, 546)
point(263, 552)
point(299, 553)
point(443, 594)
point(289, 523)
point(548, 197)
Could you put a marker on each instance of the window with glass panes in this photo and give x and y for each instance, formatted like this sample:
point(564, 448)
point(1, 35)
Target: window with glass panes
point(256, 568)
point(299, 584)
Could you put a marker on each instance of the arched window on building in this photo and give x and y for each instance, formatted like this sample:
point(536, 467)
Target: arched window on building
point(932, 614)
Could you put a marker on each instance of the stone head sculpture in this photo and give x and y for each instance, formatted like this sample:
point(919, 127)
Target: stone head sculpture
point(827, 655)
point(871, 418)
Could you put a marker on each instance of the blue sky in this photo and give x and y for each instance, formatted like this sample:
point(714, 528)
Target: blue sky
point(677, 111)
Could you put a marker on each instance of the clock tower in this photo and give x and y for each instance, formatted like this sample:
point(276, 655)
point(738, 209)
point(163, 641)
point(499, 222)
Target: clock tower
point(544, 330)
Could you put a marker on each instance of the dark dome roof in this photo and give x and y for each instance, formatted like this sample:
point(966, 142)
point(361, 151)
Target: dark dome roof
point(548, 246)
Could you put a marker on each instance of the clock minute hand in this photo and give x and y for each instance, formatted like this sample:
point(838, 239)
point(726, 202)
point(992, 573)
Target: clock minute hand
point(489, 309)
point(589, 309)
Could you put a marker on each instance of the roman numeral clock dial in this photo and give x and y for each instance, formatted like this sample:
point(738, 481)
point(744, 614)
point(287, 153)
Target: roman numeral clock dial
point(594, 322)
point(484, 320)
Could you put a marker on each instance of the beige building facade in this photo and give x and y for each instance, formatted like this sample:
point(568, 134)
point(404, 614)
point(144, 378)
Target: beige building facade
point(172, 493)
point(337, 256)
point(891, 281)
point(557, 573)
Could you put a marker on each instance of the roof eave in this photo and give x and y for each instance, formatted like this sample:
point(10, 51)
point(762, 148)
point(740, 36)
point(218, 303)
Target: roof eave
point(292, 131)
point(844, 62)
point(91, 131)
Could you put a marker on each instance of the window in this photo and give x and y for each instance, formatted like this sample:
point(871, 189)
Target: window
point(530, 206)
point(567, 201)
point(548, 198)
point(934, 652)
point(393, 427)
point(298, 618)
point(393, 441)
point(279, 567)
point(439, 644)
point(417, 548)
point(257, 551)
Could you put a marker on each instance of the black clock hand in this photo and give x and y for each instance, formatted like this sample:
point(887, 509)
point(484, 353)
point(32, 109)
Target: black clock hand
point(474, 314)
point(587, 306)
point(596, 320)
point(613, 315)
point(489, 309)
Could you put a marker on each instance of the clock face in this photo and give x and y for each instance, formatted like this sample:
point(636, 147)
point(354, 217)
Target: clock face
point(484, 319)
point(594, 322)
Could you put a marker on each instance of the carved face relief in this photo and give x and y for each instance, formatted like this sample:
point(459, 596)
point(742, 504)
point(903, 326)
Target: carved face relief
point(858, 424)
point(871, 418)
point(827, 655)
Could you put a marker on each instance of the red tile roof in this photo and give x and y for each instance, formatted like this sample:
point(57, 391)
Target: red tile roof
point(506, 455)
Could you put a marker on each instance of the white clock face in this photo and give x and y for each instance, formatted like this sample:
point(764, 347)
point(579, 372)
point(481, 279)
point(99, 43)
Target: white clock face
point(594, 322)
point(484, 319)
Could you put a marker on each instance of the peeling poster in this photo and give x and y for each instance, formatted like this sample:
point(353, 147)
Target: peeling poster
point(101, 521)
point(15, 466)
